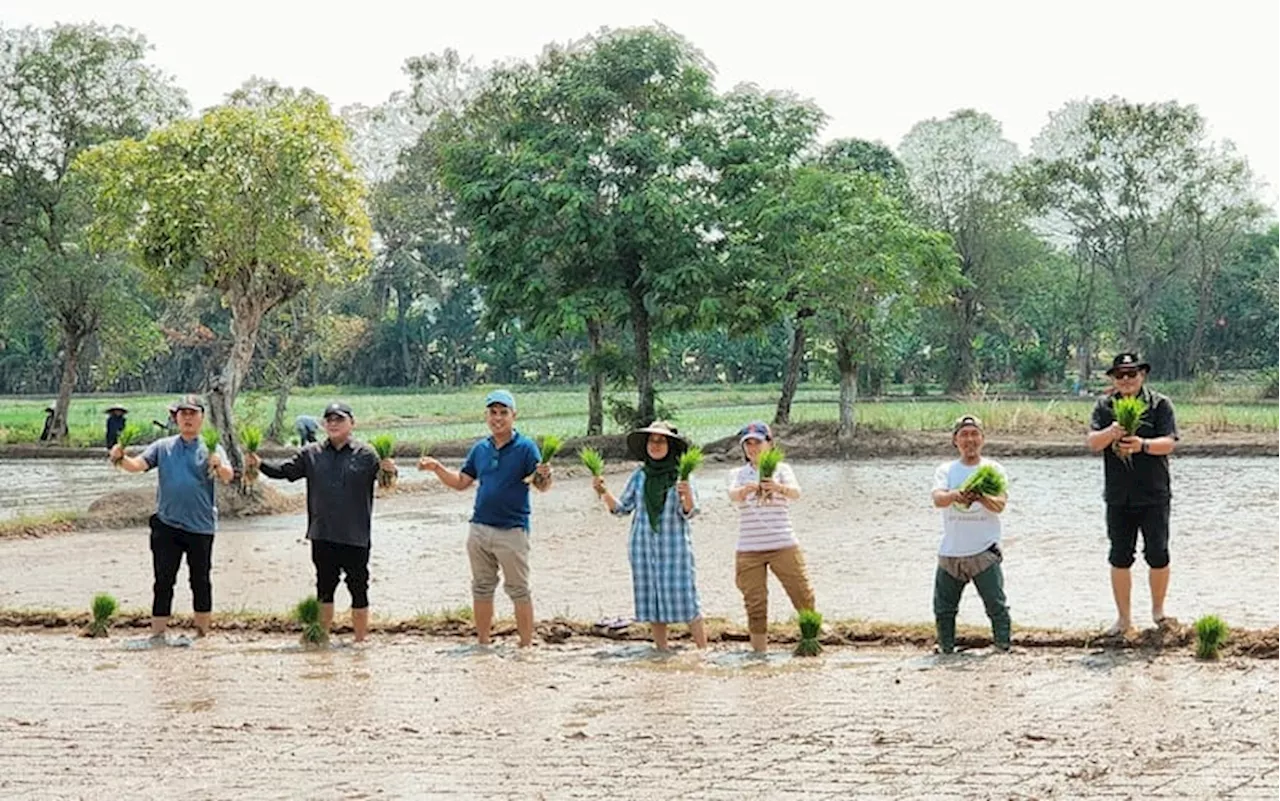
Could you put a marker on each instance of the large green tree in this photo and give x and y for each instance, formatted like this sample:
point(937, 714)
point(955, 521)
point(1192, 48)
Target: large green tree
point(62, 90)
point(257, 199)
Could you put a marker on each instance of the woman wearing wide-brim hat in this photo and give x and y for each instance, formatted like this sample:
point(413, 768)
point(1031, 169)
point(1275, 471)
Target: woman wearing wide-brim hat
point(116, 422)
point(663, 574)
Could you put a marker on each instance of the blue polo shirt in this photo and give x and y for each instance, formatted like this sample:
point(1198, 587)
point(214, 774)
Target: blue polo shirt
point(184, 491)
point(502, 498)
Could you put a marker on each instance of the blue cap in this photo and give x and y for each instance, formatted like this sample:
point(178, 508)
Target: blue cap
point(500, 396)
point(757, 431)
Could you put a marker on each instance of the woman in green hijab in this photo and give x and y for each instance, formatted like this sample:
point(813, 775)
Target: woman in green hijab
point(662, 570)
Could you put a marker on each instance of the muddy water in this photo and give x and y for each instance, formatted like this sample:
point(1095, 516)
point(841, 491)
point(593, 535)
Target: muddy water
point(868, 531)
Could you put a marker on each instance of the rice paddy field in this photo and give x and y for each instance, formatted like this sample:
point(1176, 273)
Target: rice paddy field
point(703, 413)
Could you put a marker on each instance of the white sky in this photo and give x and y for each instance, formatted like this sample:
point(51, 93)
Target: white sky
point(876, 67)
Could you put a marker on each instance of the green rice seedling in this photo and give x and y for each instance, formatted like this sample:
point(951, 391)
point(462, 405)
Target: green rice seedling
point(1211, 635)
point(1129, 413)
point(593, 461)
point(104, 606)
point(211, 438)
point(768, 463)
point(690, 460)
point(307, 612)
point(385, 445)
point(548, 446)
point(986, 480)
point(131, 434)
point(251, 438)
point(810, 628)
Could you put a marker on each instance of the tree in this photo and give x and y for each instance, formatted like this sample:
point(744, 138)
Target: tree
point(957, 169)
point(581, 182)
point(257, 199)
point(869, 269)
point(63, 90)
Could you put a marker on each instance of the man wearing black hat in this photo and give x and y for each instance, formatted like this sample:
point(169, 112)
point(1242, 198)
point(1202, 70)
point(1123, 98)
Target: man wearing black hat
point(186, 516)
point(116, 421)
point(1137, 494)
point(340, 474)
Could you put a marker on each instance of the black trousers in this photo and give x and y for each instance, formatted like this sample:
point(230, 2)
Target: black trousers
point(332, 559)
point(168, 544)
point(1123, 525)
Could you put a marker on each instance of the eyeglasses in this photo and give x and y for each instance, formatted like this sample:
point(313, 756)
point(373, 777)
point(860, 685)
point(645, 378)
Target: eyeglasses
point(1119, 374)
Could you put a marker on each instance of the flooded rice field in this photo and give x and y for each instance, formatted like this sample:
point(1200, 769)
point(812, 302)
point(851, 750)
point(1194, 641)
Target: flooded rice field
point(868, 530)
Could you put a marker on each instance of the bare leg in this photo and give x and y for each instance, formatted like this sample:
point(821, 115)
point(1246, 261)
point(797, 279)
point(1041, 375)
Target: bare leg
point(360, 623)
point(699, 632)
point(1121, 583)
point(482, 611)
point(524, 622)
point(204, 623)
point(1159, 588)
point(326, 618)
point(659, 635)
point(159, 625)
point(760, 643)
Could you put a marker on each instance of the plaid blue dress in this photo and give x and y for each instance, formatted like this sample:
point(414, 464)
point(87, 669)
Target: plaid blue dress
point(663, 575)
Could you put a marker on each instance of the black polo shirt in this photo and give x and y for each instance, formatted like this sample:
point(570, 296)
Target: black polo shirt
point(1145, 480)
point(339, 489)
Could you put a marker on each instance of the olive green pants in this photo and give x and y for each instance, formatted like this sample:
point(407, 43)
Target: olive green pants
point(947, 590)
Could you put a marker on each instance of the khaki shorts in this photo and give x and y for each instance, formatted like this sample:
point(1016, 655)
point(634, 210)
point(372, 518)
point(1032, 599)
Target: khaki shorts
point(491, 548)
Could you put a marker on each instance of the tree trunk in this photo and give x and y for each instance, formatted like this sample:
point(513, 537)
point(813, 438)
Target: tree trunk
point(848, 392)
point(595, 395)
point(72, 344)
point(960, 379)
point(791, 379)
point(644, 369)
point(246, 318)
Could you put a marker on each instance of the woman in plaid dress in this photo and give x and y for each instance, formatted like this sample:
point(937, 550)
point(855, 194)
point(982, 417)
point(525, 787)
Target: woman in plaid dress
point(661, 553)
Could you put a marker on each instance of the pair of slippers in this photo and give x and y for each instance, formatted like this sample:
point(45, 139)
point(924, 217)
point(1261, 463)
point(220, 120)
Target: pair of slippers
point(613, 623)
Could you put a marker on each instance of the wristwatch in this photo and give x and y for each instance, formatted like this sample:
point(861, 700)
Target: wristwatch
point(1145, 443)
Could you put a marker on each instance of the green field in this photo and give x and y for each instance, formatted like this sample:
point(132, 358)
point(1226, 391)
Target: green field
point(704, 413)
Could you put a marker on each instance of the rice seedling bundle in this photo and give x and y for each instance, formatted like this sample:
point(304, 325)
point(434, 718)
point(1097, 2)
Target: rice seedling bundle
point(1129, 413)
point(131, 434)
point(593, 461)
point(251, 438)
point(810, 627)
point(103, 607)
point(1211, 635)
point(986, 480)
point(548, 446)
point(307, 612)
point(384, 444)
point(768, 465)
point(211, 439)
point(690, 460)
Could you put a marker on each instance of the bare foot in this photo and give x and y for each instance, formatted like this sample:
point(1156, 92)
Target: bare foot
point(1120, 628)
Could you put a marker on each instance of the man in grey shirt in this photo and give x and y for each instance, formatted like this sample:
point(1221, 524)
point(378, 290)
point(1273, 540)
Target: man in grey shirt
point(340, 474)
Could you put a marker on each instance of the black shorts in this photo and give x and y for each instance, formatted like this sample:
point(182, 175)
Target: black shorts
point(332, 559)
point(1123, 524)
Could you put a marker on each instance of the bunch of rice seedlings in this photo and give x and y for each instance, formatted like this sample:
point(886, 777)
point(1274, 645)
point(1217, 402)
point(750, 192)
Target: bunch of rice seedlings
point(986, 480)
point(131, 434)
point(1129, 413)
point(593, 461)
point(548, 446)
point(104, 606)
point(810, 627)
point(1211, 635)
point(690, 460)
point(211, 439)
point(307, 612)
point(251, 438)
point(384, 444)
point(768, 463)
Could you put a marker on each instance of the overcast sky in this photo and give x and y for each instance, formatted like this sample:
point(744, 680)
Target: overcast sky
point(875, 67)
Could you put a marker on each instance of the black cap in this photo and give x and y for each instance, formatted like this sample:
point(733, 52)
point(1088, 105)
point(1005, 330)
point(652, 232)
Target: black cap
point(965, 421)
point(1127, 361)
point(191, 402)
point(338, 407)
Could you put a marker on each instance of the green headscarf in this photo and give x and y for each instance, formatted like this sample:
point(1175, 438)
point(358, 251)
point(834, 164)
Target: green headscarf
point(659, 477)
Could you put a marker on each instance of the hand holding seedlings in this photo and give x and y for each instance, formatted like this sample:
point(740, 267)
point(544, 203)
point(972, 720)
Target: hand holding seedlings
point(428, 463)
point(597, 484)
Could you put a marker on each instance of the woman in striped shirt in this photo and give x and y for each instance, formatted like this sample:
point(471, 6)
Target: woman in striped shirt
point(766, 540)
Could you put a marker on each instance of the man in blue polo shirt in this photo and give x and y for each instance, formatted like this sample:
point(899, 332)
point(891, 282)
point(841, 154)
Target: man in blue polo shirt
point(186, 516)
point(504, 464)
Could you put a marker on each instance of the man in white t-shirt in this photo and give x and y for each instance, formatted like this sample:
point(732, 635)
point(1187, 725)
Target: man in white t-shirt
point(970, 549)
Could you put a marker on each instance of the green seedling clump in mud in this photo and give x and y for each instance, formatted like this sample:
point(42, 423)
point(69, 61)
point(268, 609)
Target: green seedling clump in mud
point(103, 607)
point(548, 446)
point(385, 445)
point(810, 627)
point(1211, 635)
point(986, 480)
point(251, 438)
point(1129, 413)
point(307, 612)
point(690, 460)
point(593, 461)
point(131, 434)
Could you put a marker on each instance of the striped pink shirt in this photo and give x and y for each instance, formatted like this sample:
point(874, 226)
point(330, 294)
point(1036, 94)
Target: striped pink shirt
point(764, 526)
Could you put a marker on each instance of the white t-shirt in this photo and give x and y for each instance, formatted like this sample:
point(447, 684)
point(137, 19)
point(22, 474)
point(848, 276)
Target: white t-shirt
point(764, 526)
point(965, 532)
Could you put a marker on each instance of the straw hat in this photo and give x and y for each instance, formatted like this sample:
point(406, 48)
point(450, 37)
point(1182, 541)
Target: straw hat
point(637, 439)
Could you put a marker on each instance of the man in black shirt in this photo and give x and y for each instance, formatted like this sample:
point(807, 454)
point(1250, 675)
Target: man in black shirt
point(340, 475)
point(1136, 473)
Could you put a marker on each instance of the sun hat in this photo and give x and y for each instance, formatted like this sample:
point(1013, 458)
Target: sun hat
point(637, 439)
